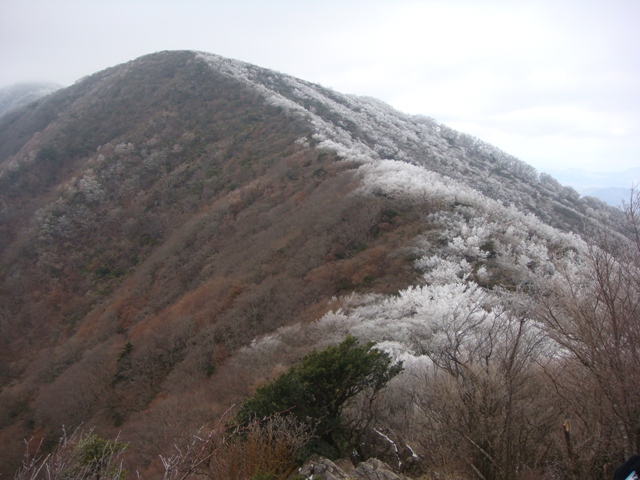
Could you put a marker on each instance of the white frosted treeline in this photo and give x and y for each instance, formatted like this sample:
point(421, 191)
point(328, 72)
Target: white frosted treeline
point(381, 132)
point(450, 303)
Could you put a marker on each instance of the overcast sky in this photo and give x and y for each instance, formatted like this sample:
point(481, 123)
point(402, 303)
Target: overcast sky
point(554, 82)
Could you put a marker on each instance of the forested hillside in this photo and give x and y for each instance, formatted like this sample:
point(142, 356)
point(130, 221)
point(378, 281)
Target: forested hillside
point(181, 229)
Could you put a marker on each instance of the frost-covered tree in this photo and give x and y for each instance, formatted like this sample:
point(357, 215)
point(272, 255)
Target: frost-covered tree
point(484, 398)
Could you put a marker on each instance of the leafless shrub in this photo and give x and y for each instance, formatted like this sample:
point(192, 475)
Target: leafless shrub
point(267, 448)
point(592, 310)
point(78, 456)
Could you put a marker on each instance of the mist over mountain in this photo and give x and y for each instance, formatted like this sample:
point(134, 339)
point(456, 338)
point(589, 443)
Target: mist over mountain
point(15, 96)
point(180, 229)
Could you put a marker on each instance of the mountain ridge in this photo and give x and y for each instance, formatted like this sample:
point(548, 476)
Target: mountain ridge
point(418, 130)
point(182, 226)
point(279, 90)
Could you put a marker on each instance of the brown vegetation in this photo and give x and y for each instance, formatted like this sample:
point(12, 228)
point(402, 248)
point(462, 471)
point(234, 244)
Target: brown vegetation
point(170, 237)
point(159, 217)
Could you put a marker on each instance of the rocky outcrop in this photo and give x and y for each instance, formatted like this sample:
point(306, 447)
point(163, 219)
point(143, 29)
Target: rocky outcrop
point(317, 468)
point(375, 469)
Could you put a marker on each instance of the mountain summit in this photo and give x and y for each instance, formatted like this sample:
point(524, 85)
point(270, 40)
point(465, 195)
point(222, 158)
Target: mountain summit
point(179, 229)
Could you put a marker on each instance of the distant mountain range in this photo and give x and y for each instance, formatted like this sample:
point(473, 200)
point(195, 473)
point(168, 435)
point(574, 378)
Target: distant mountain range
point(614, 196)
point(610, 187)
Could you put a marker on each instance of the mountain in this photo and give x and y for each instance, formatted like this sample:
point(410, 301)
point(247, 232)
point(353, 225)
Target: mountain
point(179, 229)
point(15, 96)
point(610, 187)
point(612, 195)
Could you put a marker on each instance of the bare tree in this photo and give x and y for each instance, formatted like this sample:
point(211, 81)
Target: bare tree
point(592, 310)
point(485, 397)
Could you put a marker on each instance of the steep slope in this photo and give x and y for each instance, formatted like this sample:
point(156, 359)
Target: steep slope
point(366, 129)
point(178, 228)
point(165, 204)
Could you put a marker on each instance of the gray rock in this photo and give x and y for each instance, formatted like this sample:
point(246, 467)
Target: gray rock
point(320, 468)
point(374, 469)
point(317, 467)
